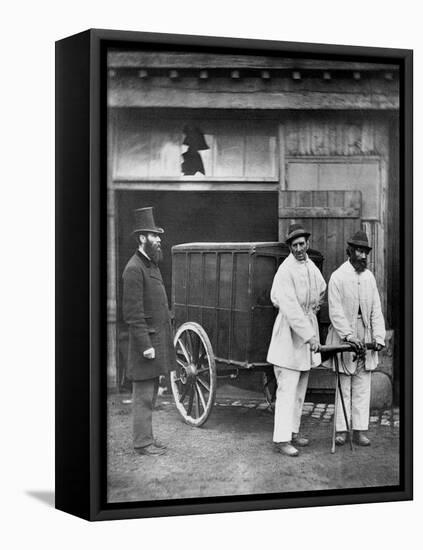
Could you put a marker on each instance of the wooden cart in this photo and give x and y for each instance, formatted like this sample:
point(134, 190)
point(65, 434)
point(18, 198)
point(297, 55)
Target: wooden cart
point(224, 317)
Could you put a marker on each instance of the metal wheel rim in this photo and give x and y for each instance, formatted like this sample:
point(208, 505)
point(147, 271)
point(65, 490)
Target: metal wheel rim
point(193, 382)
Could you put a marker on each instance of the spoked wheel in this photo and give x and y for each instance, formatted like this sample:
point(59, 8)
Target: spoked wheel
point(194, 380)
point(269, 387)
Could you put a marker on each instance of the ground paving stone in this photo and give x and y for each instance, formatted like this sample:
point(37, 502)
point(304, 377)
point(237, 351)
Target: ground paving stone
point(317, 411)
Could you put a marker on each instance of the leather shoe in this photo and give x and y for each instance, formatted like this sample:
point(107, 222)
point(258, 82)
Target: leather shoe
point(341, 438)
point(286, 448)
point(300, 440)
point(150, 450)
point(159, 444)
point(361, 439)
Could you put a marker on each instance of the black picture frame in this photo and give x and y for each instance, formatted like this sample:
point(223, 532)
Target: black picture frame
point(81, 293)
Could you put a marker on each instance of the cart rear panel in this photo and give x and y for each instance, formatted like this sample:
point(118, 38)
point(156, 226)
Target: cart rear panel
point(225, 287)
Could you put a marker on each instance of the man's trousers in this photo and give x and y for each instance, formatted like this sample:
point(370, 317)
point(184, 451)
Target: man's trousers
point(356, 393)
point(290, 395)
point(144, 394)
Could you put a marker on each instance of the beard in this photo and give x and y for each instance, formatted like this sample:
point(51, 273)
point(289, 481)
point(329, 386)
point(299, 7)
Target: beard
point(154, 252)
point(358, 264)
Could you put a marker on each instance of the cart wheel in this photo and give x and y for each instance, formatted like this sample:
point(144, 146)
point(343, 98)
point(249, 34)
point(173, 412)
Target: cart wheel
point(269, 388)
point(194, 379)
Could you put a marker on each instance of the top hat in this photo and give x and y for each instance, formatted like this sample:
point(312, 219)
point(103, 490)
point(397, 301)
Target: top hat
point(296, 230)
point(361, 240)
point(144, 221)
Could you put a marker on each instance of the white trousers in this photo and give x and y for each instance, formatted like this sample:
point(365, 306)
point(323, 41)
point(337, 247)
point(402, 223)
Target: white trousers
point(290, 395)
point(356, 393)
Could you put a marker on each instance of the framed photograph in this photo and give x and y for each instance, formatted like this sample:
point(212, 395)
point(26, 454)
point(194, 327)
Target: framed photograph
point(234, 275)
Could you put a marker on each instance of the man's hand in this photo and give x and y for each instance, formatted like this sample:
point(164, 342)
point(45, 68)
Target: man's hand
point(314, 344)
point(378, 347)
point(150, 353)
point(356, 343)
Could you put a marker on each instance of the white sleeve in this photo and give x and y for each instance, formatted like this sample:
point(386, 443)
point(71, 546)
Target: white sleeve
point(283, 296)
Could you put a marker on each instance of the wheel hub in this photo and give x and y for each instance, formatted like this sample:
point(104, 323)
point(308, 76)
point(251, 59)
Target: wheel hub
point(188, 373)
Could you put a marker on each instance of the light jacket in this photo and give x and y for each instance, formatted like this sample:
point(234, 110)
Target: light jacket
point(297, 291)
point(347, 292)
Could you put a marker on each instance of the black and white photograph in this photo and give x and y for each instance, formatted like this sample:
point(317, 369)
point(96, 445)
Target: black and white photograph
point(254, 294)
point(192, 193)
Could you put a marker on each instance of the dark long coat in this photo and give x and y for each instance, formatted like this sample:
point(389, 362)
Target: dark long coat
point(146, 311)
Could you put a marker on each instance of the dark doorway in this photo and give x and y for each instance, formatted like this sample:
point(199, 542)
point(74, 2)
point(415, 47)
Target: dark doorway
point(195, 217)
point(189, 217)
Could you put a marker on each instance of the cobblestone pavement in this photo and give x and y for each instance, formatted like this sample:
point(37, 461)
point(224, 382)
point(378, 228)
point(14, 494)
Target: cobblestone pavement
point(319, 411)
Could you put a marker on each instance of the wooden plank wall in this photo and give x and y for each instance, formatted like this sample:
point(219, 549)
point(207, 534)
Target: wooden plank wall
point(393, 229)
point(264, 149)
point(330, 216)
point(251, 92)
point(342, 136)
point(337, 134)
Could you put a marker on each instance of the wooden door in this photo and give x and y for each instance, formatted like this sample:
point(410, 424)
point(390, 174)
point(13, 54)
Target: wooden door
point(332, 217)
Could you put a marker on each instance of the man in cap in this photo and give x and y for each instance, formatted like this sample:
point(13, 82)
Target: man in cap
point(297, 291)
point(146, 311)
point(356, 317)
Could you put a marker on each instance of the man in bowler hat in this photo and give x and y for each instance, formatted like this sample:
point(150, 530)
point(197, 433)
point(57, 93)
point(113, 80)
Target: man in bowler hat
point(146, 311)
point(356, 317)
point(297, 291)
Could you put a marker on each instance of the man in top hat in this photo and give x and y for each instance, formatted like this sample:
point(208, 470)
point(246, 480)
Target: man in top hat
point(297, 291)
point(146, 311)
point(356, 317)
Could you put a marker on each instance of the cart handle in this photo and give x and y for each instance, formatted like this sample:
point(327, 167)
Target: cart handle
point(343, 347)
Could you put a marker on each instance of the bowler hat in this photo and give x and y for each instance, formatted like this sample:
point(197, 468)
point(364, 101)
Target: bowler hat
point(144, 221)
point(361, 240)
point(296, 230)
